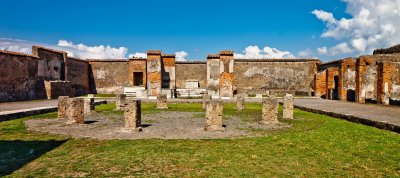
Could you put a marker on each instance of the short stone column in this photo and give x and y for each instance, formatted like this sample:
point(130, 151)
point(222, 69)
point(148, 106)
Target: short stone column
point(62, 107)
point(162, 101)
point(89, 105)
point(120, 101)
point(288, 106)
point(75, 111)
point(270, 111)
point(206, 98)
point(133, 118)
point(240, 102)
point(214, 115)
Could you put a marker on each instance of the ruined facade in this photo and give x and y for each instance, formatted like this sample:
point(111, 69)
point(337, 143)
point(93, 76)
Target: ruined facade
point(49, 73)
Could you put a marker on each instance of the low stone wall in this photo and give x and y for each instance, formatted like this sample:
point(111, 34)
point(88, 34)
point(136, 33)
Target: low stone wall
point(55, 89)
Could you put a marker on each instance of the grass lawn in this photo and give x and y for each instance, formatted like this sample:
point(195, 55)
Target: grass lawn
point(316, 146)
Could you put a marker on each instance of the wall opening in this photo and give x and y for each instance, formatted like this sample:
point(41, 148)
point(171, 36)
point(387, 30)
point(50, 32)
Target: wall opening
point(137, 78)
point(335, 92)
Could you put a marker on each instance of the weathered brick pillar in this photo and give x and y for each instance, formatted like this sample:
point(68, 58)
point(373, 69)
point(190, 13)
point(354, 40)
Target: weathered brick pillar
point(270, 111)
point(288, 106)
point(214, 113)
point(75, 112)
point(62, 107)
point(206, 98)
point(240, 102)
point(120, 101)
point(89, 105)
point(162, 101)
point(133, 118)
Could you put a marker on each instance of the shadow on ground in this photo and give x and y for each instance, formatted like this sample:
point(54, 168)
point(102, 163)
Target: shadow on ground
point(15, 154)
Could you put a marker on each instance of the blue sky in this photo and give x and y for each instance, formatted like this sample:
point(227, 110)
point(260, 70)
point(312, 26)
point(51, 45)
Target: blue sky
point(195, 27)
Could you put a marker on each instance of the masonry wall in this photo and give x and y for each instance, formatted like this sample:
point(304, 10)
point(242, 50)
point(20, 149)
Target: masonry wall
point(51, 63)
point(18, 75)
point(320, 84)
point(168, 72)
point(275, 76)
point(191, 71)
point(137, 65)
point(366, 79)
point(77, 73)
point(109, 76)
point(347, 80)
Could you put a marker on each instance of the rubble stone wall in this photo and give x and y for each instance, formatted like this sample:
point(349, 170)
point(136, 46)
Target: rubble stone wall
point(109, 76)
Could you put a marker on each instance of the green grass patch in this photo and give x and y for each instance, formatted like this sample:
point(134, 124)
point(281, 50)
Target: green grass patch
point(315, 146)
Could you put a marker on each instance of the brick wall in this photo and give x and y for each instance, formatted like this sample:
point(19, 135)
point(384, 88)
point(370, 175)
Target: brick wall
point(78, 75)
point(18, 75)
point(109, 76)
point(320, 84)
point(191, 71)
point(137, 65)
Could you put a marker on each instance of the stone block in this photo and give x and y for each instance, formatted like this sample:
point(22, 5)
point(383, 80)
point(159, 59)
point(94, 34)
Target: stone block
point(133, 118)
point(162, 101)
point(288, 106)
point(75, 111)
point(240, 102)
point(214, 115)
point(88, 105)
point(62, 107)
point(120, 101)
point(270, 111)
point(206, 98)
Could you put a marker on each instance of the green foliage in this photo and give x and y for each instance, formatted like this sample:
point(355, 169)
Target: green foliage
point(315, 146)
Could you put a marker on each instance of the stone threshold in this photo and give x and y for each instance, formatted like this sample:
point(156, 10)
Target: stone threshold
point(16, 114)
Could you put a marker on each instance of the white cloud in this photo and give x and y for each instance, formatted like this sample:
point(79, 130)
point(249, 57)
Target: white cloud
point(98, 52)
point(266, 52)
point(322, 50)
point(306, 53)
point(373, 24)
point(181, 56)
point(16, 45)
point(138, 55)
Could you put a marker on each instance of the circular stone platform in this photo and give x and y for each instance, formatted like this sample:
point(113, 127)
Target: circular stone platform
point(163, 125)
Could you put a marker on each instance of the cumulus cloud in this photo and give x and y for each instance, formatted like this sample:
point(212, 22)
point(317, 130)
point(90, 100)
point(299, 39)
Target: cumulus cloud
point(16, 45)
point(138, 55)
point(374, 24)
point(99, 52)
point(306, 53)
point(266, 52)
point(181, 56)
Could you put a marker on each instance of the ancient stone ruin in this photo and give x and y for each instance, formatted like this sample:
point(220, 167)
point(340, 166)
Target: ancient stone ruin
point(162, 101)
point(214, 115)
point(120, 101)
point(133, 118)
point(270, 111)
point(89, 105)
point(240, 102)
point(288, 106)
point(62, 107)
point(75, 111)
point(206, 98)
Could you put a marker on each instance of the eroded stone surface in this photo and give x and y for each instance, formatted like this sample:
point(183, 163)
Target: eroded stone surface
point(88, 105)
point(75, 111)
point(162, 101)
point(214, 113)
point(270, 111)
point(62, 107)
point(120, 101)
point(133, 118)
point(240, 102)
point(288, 106)
point(206, 98)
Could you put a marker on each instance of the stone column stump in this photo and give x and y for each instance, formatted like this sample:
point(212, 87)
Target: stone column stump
point(214, 114)
point(89, 105)
point(270, 111)
point(62, 107)
point(206, 98)
point(133, 118)
point(288, 106)
point(240, 102)
point(162, 101)
point(120, 101)
point(75, 111)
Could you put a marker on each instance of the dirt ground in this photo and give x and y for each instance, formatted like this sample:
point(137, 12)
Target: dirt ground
point(163, 125)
